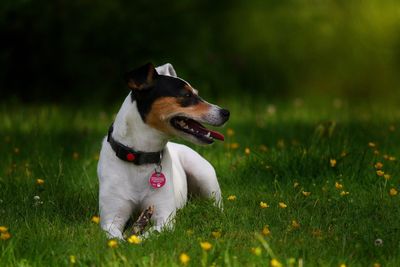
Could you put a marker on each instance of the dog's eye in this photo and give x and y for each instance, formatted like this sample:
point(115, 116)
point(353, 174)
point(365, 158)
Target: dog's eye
point(187, 94)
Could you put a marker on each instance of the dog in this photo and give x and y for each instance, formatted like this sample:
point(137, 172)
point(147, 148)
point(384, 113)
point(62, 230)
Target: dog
point(139, 167)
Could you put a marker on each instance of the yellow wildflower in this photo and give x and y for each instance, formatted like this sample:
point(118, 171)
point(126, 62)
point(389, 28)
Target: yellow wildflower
point(16, 150)
point(184, 258)
point(343, 154)
point(95, 219)
point(387, 176)
point(39, 181)
point(380, 173)
point(271, 109)
point(344, 193)
point(112, 243)
point(280, 143)
point(266, 231)
point(5, 236)
point(3, 229)
point(296, 184)
point(232, 198)
point(282, 205)
point(376, 264)
point(332, 162)
point(378, 165)
point(306, 194)
point(216, 234)
point(316, 233)
point(376, 152)
point(72, 259)
point(234, 146)
point(371, 144)
point(391, 158)
point(247, 151)
point(263, 148)
point(205, 245)
point(295, 224)
point(134, 239)
point(75, 155)
point(256, 251)
point(393, 191)
point(230, 132)
point(338, 185)
point(275, 263)
point(342, 265)
point(263, 205)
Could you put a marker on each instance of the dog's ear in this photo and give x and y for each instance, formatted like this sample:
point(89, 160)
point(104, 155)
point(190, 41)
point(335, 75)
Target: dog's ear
point(167, 70)
point(141, 78)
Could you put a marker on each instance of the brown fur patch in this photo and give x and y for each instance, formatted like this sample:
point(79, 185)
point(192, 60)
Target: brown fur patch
point(133, 85)
point(137, 86)
point(166, 107)
point(150, 75)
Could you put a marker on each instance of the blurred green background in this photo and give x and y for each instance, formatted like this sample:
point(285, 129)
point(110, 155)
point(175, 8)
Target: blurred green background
point(77, 51)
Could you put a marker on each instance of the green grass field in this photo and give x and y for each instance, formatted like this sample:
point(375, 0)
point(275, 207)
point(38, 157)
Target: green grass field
point(318, 158)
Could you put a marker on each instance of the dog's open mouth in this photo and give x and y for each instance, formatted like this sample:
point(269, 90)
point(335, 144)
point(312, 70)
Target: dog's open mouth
point(192, 127)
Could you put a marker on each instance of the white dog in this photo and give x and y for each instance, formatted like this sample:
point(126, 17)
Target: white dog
point(138, 167)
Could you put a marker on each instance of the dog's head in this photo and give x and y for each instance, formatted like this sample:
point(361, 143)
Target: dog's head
point(172, 106)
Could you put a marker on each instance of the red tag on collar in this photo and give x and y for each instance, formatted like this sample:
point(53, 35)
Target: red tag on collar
point(130, 157)
point(157, 180)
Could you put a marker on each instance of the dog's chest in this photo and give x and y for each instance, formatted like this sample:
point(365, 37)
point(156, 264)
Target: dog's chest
point(131, 181)
point(137, 178)
point(136, 183)
point(175, 187)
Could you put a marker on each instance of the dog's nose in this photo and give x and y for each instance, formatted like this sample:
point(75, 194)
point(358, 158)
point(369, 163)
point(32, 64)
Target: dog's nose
point(224, 113)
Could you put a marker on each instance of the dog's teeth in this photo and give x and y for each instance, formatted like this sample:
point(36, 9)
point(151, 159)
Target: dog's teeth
point(185, 127)
point(208, 134)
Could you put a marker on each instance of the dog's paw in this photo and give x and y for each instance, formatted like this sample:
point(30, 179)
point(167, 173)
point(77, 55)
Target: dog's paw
point(115, 235)
point(113, 232)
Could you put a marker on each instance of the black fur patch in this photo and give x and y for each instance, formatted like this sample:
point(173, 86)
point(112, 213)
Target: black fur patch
point(189, 100)
point(164, 86)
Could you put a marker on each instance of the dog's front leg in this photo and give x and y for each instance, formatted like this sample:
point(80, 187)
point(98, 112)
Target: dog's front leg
point(114, 213)
point(201, 176)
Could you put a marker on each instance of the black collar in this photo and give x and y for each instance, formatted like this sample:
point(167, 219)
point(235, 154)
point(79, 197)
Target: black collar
point(130, 155)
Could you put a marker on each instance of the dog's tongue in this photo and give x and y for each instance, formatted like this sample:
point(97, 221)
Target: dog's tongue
point(216, 135)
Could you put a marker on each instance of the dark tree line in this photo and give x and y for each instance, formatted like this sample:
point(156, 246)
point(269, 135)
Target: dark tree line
point(78, 50)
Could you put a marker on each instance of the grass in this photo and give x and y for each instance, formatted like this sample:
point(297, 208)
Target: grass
point(291, 145)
